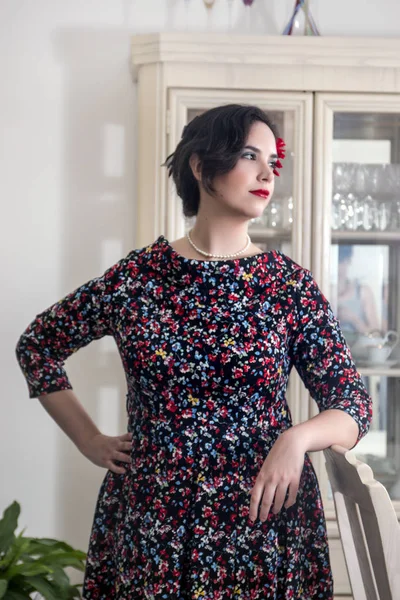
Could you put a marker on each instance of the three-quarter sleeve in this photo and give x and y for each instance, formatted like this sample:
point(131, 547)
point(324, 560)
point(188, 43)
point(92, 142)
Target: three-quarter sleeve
point(82, 316)
point(322, 358)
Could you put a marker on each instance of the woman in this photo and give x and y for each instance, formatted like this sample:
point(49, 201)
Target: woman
point(211, 493)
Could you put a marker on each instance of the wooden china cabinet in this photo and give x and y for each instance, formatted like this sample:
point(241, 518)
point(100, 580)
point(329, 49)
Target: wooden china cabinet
point(336, 208)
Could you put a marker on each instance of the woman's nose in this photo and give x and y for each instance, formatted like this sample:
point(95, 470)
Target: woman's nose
point(267, 173)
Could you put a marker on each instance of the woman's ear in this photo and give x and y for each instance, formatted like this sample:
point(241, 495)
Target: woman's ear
point(195, 165)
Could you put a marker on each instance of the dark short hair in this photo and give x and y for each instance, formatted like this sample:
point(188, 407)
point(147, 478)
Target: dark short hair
point(217, 136)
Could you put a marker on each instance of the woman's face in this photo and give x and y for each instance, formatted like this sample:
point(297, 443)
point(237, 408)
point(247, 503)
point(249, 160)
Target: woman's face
point(253, 171)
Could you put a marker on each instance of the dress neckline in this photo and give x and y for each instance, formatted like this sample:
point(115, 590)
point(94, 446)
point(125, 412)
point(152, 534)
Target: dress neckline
point(244, 260)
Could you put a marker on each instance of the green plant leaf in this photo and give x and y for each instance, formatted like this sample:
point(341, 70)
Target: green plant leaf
point(21, 586)
point(8, 524)
point(28, 570)
point(18, 547)
point(61, 579)
point(46, 588)
point(18, 590)
point(48, 555)
point(3, 587)
point(43, 545)
point(73, 593)
point(64, 559)
point(11, 595)
point(29, 565)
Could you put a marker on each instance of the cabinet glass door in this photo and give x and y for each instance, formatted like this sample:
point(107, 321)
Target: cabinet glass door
point(362, 172)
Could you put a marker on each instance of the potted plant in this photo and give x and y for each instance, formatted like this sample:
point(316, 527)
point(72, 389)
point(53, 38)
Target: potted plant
point(35, 565)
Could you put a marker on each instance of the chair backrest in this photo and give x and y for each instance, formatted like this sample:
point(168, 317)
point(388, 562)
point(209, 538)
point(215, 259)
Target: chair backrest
point(368, 527)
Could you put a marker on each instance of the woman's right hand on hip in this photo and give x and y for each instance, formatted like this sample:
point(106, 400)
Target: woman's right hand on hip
point(105, 451)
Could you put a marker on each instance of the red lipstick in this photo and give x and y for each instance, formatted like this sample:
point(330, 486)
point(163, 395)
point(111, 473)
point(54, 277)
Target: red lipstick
point(261, 193)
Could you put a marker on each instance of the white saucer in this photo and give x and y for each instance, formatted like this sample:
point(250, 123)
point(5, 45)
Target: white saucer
point(373, 365)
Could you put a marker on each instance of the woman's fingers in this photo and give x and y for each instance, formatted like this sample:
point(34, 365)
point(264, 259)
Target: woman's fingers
point(125, 446)
point(269, 494)
point(293, 490)
point(115, 468)
point(280, 495)
point(268, 497)
point(122, 457)
point(104, 451)
point(256, 494)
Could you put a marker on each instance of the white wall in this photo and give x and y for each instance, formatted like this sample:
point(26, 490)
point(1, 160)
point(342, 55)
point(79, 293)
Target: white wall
point(67, 188)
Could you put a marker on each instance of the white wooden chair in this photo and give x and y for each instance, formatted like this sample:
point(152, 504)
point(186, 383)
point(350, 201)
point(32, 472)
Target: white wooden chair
point(368, 526)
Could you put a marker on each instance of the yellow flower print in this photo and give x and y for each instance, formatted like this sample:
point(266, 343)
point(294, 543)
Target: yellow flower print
point(247, 276)
point(161, 353)
point(200, 478)
point(199, 593)
point(229, 342)
point(193, 400)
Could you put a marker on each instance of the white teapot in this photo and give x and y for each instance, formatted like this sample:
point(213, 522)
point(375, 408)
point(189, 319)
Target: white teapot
point(374, 346)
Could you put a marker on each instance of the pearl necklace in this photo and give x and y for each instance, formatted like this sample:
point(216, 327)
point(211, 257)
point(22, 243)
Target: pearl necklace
point(218, 255)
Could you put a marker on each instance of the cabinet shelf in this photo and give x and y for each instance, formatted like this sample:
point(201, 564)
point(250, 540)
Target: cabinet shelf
point(367, 371)
point(265, 234)
point(366, 236)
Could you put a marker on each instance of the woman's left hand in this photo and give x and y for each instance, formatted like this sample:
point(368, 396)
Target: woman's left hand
point(280, 472)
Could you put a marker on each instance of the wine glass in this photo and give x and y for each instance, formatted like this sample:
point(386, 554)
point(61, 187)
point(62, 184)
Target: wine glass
point(343, 198)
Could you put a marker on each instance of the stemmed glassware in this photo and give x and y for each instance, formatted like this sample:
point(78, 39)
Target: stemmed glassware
point(342, 181)
point(366, 197)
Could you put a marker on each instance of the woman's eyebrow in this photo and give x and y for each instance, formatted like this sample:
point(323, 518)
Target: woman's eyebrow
point(258, 151)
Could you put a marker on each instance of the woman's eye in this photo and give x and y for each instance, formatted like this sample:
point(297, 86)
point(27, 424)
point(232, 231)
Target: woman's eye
point(253, 156)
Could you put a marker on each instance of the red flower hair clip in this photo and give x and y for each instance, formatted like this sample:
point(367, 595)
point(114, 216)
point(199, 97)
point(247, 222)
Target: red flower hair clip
point(281, 151)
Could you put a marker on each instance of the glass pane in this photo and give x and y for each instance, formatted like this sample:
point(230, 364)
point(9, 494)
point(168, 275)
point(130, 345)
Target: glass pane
point(365, 260)
point(359, 293)
point(273, 229)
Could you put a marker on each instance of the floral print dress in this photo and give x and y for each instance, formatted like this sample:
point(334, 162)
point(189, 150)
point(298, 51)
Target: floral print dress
point(207, 348)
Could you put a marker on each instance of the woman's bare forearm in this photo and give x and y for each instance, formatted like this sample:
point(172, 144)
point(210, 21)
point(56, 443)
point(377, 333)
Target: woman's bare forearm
point(66, 410)
point(330, 427)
